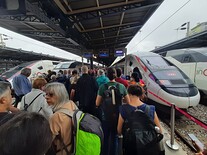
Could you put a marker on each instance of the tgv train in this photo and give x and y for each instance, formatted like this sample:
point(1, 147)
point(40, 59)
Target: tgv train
point(37, 68)
point(162, 78)
point(193, 62)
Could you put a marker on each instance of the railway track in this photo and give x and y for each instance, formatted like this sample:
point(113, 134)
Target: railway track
point(185, 126)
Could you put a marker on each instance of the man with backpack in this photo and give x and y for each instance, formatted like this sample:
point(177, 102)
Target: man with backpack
point(140, 125)
point(109, 99)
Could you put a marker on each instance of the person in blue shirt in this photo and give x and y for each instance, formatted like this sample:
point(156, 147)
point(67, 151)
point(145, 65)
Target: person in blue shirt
point(21, 84)
point(101, 79)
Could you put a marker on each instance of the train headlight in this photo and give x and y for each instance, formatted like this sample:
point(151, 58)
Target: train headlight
point(164, 82)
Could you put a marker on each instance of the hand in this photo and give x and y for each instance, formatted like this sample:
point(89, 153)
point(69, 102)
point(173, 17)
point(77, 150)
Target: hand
point(199, 150)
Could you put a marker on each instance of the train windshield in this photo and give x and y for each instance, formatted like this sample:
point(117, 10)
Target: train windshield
point(63, 65)
point(155, 63)
point(171, 76)
point(16, 69)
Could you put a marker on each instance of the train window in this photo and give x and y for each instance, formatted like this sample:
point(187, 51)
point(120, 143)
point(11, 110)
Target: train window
point(73, 65)
point(64, 66)
point(40, 67)
point(200, 57)
point(130, 63)
point(187, 58)
point(178, 57)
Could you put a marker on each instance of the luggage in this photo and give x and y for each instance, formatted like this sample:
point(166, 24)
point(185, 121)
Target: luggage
point(112, 99)
point(88, 134)
point(140, 135)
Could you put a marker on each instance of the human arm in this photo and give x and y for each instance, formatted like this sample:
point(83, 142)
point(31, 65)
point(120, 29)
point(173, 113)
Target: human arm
point(198, 149)
point(120, 125)
point(126, 99)
point(98, 100)
point(157, 121)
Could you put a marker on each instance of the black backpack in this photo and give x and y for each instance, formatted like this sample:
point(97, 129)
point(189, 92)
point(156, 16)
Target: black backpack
point(140, 135)
point(112, 99)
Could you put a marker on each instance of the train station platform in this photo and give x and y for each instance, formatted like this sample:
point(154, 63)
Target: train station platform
point(168, 150)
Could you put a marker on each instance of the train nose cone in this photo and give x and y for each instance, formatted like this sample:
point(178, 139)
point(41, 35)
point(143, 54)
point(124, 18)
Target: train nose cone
point(183, 97)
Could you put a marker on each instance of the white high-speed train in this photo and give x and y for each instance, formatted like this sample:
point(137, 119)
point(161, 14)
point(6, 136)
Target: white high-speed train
point(37, 68)
point(162, 78)
point(193, 62)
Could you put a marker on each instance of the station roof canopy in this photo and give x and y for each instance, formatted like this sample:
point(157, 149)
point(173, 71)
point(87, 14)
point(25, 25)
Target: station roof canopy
point(79, 26)
point(11, 54)
point(196, 40)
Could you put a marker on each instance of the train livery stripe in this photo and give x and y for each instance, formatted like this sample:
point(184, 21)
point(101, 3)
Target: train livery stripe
point(143, 66)
point(181, 111)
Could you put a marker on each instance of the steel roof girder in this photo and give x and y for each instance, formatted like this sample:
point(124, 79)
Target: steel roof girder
point(36, 11)
point(43, 34)
point(103, 13)
point(112, 11)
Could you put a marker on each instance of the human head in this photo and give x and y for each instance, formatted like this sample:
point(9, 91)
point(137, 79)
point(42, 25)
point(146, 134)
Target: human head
point(5, 96)
point(60, 71)
point(74, 72)
point(65, 72)
point(26, 72)
point(56, 94)
point(25, 134)
point(49, 71)
point(135, 76)
point(111, 73)
point(135, 90)
point(118, 72)
point(84, 69)
point(39, 83)
point(101, 72)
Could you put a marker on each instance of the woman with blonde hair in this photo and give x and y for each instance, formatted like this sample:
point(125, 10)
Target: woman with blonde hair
point(60, 123)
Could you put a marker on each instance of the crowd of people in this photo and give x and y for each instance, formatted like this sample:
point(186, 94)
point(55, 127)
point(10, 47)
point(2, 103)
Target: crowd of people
point(34, 125)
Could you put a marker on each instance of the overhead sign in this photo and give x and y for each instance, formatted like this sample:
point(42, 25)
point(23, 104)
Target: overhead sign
point(87, 55)
point(118, 53)
point(103, 54)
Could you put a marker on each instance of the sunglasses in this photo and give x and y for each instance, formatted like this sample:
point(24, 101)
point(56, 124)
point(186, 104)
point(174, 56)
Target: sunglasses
point(50, 94)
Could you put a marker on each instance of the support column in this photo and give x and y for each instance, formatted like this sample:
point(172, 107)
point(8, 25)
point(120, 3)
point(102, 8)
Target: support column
point(91, 62)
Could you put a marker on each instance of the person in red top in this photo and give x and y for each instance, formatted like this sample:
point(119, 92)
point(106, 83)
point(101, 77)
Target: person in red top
point(119, 79)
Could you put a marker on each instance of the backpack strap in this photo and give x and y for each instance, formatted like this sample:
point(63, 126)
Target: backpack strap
point(106, 86)
point(147, 110)
point(66, 112)
point(69, 114)
point(26, 106)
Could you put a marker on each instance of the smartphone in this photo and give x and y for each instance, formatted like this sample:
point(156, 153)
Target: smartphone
point(195, 139)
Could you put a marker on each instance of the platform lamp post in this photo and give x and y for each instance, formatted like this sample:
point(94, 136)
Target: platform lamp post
point(184, 26)
point(171, 143)
point(4, 37)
